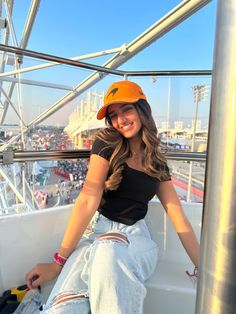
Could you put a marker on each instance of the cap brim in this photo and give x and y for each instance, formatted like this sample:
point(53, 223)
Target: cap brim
point(102, 113)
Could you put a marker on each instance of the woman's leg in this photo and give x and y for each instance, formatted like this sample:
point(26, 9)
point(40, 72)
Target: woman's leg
point(120, 261)
point(70, 293)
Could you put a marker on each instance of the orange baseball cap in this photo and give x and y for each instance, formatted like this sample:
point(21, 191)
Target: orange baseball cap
point(120, 92)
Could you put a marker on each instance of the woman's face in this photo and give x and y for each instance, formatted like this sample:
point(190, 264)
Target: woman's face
point(125, 119)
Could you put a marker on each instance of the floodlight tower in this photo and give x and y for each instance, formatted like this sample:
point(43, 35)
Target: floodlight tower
point(200, 94)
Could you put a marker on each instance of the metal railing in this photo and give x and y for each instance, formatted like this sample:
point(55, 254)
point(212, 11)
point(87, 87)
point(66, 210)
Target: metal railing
point(60, 60)
point(9, 157)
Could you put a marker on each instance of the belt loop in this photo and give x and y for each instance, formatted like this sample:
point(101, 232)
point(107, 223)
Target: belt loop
point(94, 220)
point(97, 216)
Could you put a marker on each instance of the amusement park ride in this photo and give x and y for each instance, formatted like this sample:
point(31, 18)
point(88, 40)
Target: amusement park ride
point(24, 227)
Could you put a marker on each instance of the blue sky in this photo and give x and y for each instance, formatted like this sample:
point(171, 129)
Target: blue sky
point(73, 27)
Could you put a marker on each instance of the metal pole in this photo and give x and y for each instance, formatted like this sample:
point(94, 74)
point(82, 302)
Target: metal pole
point(200, 92)
point(10, 102)
point(193, 146)
point(52, 64)
point(217, 282)
point(11, 185)
point(10, 23)
point(26, 34)
point(168, 112)
point(23, 156)
point(5, 39)
point(29, 22)
point(55, 59)
point(37, 83)
point(14, 39)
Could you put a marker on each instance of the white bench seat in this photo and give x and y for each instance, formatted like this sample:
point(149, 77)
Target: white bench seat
point(24, 242)
point(170, 290)
point(172, 277)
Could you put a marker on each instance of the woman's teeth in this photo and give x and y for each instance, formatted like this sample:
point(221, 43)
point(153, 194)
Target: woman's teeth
point(126, 127)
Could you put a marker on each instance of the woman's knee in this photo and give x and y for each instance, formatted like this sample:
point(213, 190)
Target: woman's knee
point(109, 253)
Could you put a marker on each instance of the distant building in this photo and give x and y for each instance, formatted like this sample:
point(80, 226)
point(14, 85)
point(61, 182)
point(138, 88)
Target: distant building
point(83, 121)
point(178, 125)
point(164, 125)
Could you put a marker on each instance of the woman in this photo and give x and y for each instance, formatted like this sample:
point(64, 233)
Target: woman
point(106, 272)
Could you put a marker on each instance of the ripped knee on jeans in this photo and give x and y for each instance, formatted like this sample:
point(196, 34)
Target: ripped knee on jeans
point(114, 236)
point(67, 296)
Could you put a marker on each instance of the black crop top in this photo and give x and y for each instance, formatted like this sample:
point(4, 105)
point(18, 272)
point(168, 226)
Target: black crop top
point(129, 203)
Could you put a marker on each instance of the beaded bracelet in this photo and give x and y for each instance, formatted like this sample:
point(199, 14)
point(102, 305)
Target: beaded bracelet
point(59, 260)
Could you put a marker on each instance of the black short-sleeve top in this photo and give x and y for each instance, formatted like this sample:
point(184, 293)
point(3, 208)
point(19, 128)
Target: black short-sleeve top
point(129, 203)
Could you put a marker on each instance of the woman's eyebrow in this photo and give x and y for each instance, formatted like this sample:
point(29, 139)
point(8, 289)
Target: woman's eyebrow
point(122, 106)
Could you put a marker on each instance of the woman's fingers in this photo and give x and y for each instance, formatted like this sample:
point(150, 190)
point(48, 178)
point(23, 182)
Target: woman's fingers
point(37, 282)
point(41, 273)
point(30, 277)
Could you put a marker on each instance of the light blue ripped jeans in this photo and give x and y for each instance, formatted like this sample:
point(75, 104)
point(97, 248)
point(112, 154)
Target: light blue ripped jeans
point(106, 275)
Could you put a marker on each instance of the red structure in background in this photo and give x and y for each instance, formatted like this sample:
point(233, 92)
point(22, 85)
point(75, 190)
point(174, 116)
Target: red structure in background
point(184, 186)
point(61, 173)
point(88, 143)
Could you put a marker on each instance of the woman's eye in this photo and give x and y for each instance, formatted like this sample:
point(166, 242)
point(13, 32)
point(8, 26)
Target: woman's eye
point(128, 109)
point(112, 116)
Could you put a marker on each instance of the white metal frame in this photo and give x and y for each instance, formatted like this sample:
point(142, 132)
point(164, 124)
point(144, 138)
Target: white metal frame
point(26, 34)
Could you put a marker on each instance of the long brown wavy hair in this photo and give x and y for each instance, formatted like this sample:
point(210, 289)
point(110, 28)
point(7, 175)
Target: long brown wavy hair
point(153, 161)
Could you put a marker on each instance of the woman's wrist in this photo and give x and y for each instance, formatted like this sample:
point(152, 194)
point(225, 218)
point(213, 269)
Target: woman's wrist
point(57, 267)
point(59, 259)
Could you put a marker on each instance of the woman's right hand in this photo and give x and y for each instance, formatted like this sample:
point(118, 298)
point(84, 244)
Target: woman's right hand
point(42, 273)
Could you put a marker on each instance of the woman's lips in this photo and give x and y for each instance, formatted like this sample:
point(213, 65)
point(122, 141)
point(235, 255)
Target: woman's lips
point(126, 127)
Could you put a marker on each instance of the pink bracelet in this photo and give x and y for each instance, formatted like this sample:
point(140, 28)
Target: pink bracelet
point(60, 260)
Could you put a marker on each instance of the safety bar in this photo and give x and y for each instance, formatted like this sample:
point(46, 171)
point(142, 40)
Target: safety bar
point(10, 156)
point(52, 58)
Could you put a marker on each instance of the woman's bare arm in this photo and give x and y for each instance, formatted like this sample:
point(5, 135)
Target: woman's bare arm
point(170, 201)
point(86, 204)
point(82, 212)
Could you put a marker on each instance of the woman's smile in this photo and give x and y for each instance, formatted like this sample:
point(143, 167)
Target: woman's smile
point(127, 127)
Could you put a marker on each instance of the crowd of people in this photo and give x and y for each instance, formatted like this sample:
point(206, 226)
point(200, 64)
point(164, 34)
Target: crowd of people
point(76, 170)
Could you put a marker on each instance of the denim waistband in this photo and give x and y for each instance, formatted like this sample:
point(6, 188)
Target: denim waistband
point(101, 224)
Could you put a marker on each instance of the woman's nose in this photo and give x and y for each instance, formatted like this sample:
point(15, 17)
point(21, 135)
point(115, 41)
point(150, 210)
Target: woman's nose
point(121, 118)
